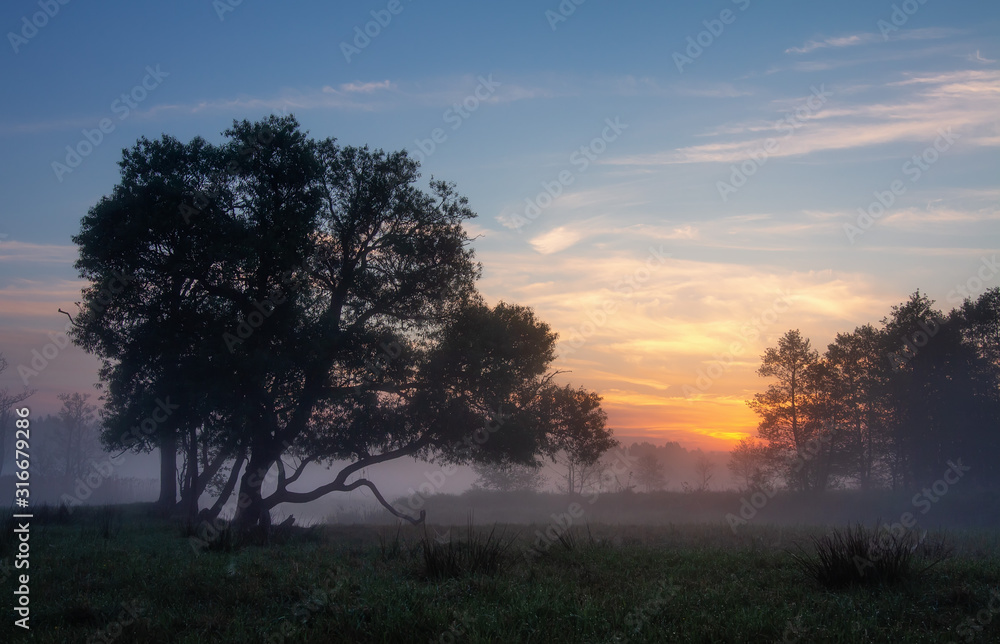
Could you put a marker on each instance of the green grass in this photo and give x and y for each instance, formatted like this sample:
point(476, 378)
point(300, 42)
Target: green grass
point(682, 583)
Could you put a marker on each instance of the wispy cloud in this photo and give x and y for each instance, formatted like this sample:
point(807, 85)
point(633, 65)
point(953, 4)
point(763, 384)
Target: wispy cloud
point(358, 96)
point(964, 100)
point(841, 41)
point(939, 220)
point(35, 298)
point(556, 240)
point(25, 252)
point(385, 95)
point(867, 38)
point(364, 88)
point(713, 90)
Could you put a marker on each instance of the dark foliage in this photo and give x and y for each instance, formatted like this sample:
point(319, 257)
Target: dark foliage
point(480, 554)
point(858, 556)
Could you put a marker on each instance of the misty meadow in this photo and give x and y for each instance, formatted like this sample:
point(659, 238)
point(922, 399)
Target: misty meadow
point(455, 323)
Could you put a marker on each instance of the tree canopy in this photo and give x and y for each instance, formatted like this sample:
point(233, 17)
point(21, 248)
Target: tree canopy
point(292, 301)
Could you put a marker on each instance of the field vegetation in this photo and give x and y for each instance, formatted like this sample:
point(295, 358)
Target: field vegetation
point(125, 574)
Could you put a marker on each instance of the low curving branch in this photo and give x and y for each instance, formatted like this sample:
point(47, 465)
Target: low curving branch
point(378, 495)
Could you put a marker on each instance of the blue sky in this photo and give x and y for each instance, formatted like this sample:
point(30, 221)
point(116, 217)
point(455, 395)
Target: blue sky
point(665, 273)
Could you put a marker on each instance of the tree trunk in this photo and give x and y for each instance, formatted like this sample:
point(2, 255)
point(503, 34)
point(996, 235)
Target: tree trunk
point(228, 488)
point(168, 471)
point(250, 511)
point(193, 491)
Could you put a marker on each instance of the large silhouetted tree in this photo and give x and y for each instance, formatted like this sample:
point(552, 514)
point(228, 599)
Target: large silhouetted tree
point(306, 303)
point(162, 253)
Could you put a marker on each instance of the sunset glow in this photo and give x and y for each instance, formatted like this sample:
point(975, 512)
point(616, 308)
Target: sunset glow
point(670, 220)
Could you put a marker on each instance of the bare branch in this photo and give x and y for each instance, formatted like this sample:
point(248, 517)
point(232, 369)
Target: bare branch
point(378, 495)
point(298, 471)
point(283, 495)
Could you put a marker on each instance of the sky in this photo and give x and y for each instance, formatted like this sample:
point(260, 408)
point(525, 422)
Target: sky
point(671, 186)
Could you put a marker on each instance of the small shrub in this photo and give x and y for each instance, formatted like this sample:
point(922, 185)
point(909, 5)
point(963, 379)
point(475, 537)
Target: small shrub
point(480, 553)
point(441, 561)
point(857, 556)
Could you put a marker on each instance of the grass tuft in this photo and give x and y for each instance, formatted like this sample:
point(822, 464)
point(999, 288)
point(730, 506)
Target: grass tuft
point(859, 556)
point(481, 553)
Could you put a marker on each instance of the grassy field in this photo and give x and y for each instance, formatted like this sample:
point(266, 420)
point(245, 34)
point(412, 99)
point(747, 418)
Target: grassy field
point(120, 575)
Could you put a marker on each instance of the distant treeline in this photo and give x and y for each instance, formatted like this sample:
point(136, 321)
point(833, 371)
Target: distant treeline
point(913, 402)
